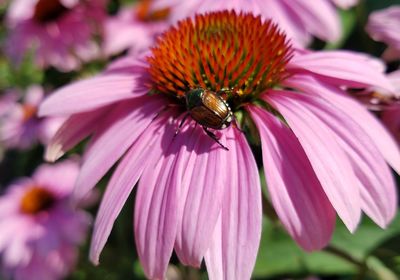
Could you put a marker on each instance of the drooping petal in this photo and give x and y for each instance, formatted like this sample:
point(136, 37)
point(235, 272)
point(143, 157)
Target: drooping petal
point(73, 130)
point(147, 147)
point(375, 181)
point(341, 68)
point(155, 217)
point(295, 191)
point(117, 132)
point(376, 131)
point(329, 161)
point(90, 94)
point(213, 257)
point(201, 193)
point(240, 228)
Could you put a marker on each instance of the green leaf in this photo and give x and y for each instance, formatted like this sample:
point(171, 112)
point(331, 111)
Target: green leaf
point(349, 254)
point(280, 256)
point(349, 20)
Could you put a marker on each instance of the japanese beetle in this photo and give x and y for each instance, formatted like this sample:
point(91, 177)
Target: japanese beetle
point(209, 110)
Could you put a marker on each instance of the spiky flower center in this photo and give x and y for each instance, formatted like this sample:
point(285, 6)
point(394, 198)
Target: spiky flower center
point(48, 10)
point(36, 199)
point(239, 54)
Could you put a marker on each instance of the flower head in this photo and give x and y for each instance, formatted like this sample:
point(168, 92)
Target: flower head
point(20, 127)
point(204, 201)
point(383, 26)
point(58, 32)
point(36, 219)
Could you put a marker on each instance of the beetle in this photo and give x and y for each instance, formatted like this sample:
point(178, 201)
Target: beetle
point(209, 110)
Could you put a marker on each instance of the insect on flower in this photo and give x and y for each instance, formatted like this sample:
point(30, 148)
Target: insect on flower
point(209, 110)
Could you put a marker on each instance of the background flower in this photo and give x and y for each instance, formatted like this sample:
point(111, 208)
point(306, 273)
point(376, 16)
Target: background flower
point(58, 33)
point(40, 227)
point(134, 28)
point(20, 127)
point(383, 26)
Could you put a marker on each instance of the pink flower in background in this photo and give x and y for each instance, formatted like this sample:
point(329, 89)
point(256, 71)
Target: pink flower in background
point(385, 103)
point(7, 100)
point(391, 118)
point(40, 227)
point(20, 127)
point(134, 28)
point(300, 19)
point(59, 33)
point(391, 114)
point(198, 198)
point(383, 26)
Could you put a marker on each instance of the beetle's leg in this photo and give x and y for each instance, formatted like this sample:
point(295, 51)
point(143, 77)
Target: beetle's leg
point(212, 136)
point(181, 124)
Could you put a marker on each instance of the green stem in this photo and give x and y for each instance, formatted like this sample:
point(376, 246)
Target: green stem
point(361, 265)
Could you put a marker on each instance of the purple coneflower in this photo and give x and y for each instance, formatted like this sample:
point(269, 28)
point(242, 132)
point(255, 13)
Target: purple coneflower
point(300, 19)
point(60, 33)
point(40, 228)
point(20, 127)
point(198, 198)
point(383, 26)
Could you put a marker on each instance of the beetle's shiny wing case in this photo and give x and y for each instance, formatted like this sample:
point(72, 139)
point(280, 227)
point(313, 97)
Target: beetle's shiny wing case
point(206, 117)
point(215, 104)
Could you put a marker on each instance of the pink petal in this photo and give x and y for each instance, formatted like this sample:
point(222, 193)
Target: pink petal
point(214, 256)
point(156, 213)
point(241, 214)
point(145, 149)
point(114, 136)
point(327, 158)
point(342, 68)
point(73, 130)
point(295, 191)
point(376, 131)
point(376, 184)
point(201, 193)
point(90, 94)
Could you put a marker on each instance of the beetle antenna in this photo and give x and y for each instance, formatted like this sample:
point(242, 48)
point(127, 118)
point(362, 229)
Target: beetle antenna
point(212, 136)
